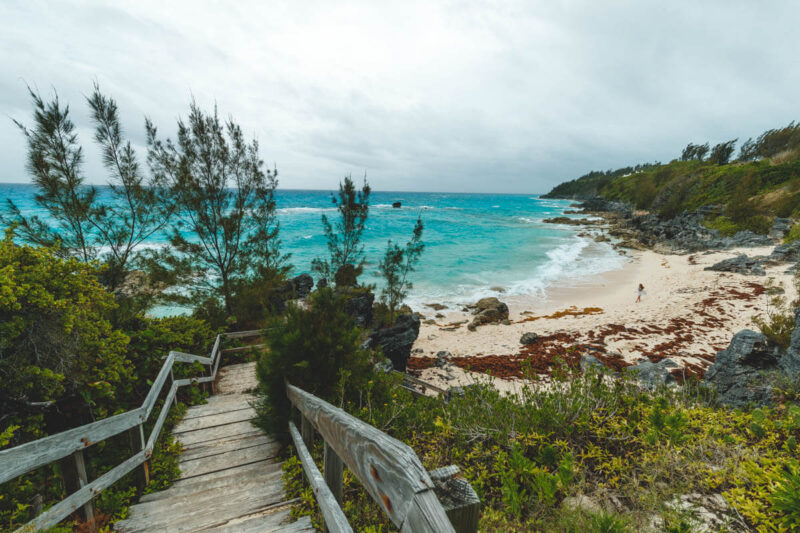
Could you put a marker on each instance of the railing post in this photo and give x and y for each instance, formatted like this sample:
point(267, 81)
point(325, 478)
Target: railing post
point(146, 463)
point(174, 398)
point(457, 497)
point(333, 472)
point(83, 480)
point(307, 431)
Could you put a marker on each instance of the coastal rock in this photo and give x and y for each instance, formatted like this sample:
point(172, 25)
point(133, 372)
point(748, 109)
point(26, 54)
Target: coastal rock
point(436, 306)
point(786, 253)
point(358, 304)
point(488, 311)
point(590, 361)
point(397, 205)
point(748, 239)
point(738, 372)
point(396, 341)
point(442, 359)
point(528, 338)
point(741, 264)
point(790, 362)
point(573, 221)
point(322, 283)
point(384, 366)
point(454, 392)
point(653, 375)
point(780, 227)
point(292, 289)
point(301, 285)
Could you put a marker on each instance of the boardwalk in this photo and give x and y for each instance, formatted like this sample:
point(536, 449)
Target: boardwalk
point(230, 475)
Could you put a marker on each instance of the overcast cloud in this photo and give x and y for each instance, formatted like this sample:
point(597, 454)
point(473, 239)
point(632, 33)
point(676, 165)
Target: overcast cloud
point(429, 96)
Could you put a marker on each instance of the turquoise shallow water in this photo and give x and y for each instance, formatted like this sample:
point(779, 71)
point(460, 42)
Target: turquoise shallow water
point(473, 241)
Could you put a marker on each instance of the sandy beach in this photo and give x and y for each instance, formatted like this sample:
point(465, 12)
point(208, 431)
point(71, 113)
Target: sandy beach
point(687, 314)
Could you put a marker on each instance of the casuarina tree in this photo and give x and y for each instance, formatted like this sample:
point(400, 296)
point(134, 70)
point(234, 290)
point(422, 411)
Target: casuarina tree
point(225, 230)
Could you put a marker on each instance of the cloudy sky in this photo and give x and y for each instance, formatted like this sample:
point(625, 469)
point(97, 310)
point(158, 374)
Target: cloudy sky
point(431, 96)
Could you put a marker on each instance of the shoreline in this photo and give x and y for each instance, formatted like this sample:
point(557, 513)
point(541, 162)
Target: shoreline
point(687, 314)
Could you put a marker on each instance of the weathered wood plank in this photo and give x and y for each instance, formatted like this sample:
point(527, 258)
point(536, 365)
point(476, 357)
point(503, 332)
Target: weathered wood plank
point(425, 515)
point(389, 470)
point(244, 348)
point(155, 389)
point(193, 438)
point(191, 358)
point(204, 422)
point(335, 520)
point(26, 457)
point(228, 460)
point(65, 507)
point(83, 480)
point(243, 334)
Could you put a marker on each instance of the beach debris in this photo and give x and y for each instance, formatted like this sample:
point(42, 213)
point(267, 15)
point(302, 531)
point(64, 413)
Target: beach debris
point(570, 311)
point(488, 311)
point(741, 264)
point(396, 341)
point(528, 338)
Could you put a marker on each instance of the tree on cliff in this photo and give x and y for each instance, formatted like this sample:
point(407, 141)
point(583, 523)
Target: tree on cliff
point(225, 231)
point(722, 152)
point(344, 235)
point(81, 222)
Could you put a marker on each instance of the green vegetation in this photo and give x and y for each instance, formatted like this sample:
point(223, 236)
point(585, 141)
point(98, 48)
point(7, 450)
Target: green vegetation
point(344, 235)
point(64, 363)
point(317, 349)
point(762, 183)
point(224, 234)
point(630, 454)
point(396, 265)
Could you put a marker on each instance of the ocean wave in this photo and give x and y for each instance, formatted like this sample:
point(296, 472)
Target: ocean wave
point(292, 210)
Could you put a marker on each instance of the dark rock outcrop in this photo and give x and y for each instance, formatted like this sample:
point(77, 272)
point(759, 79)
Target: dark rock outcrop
point(292, 289)
point(653, 375)
point(740, 372)
point(442, 359)
point(528, 338)
point(780, 227)
point(488, 311)
point(397, 205)
point(396, 341)
point(358, 304)
point(786, 253)
point(741, 264)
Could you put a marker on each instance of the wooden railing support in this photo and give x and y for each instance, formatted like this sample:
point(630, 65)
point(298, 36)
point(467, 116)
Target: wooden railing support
point(83, 480)
point(172, 380)
point(307, 431)
point(146, 463)
point(457, 497)
point(334, 470)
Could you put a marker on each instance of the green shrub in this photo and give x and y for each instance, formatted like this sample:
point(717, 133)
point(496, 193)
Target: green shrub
point(793, 235)
point(316, 349)
point(786, 498)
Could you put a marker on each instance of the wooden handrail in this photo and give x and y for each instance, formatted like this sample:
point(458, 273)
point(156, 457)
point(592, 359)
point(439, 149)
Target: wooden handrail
point(388, 469)
point(26, 457)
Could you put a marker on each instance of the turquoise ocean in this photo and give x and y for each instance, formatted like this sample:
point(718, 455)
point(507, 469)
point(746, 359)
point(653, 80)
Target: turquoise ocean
point(473, 242)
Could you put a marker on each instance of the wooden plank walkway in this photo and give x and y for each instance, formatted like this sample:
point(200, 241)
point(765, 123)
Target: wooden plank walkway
point(230, 474)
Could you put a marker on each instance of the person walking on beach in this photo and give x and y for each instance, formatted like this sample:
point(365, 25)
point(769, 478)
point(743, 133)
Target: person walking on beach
point(639, 293)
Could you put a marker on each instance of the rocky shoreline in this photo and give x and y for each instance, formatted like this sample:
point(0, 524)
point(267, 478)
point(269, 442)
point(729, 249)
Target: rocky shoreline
point(682, 234)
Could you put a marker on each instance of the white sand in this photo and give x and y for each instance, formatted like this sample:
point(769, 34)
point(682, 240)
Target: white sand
point(675, 291)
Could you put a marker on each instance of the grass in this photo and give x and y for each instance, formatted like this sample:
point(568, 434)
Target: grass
point(632, 454)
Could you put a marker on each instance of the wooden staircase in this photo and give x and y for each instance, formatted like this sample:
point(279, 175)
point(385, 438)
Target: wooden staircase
point(230, 474)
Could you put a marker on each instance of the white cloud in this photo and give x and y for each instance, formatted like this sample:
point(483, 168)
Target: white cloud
point(474, 96)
